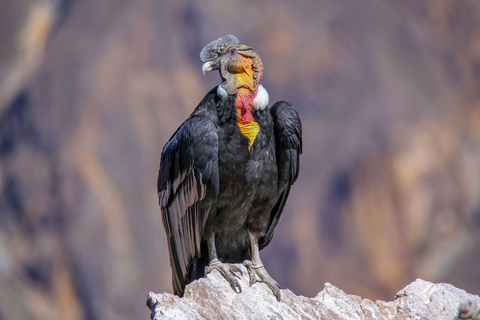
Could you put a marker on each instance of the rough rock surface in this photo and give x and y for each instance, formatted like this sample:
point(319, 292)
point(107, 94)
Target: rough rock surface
point(212, 298)
point(389, 191)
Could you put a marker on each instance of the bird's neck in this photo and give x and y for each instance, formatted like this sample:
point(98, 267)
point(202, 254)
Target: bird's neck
point(244, 104)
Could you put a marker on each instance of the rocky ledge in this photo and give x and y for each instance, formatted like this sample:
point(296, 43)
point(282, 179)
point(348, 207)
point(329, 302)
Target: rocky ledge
point(212, 298)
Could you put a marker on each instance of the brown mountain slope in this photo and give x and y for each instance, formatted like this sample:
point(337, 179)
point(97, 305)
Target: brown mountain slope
point(390, 183)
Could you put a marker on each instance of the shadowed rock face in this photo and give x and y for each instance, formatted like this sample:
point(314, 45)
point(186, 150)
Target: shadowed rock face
point(212, 298)
point(26, 27)
point(390, 183)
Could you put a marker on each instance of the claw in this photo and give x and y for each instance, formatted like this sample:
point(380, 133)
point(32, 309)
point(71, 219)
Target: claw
point(260, 274)
point(252, 279)
point(248, 264)
point(233, 269)
point(227, 271)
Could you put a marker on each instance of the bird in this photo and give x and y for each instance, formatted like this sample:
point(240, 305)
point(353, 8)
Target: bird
point(226, 173)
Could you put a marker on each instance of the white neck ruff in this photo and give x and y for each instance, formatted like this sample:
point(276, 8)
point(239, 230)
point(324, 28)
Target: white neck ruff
point(261, 99)
point(259, 103)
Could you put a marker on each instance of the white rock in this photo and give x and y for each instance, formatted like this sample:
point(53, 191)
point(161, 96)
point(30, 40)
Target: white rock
point(213, 298)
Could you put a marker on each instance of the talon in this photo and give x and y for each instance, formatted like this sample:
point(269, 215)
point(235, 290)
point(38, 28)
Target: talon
point(236, 285)
point(233, 269)
point(252, 279)
point(248, 265)
point(275, 289)
point(227, 271)
point(258, 273)
point(278, 295)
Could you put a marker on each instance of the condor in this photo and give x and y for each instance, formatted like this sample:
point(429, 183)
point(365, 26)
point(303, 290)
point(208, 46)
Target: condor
point(225, 174)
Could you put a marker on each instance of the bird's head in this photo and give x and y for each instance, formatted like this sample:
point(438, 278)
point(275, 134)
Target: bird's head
point(239, 65)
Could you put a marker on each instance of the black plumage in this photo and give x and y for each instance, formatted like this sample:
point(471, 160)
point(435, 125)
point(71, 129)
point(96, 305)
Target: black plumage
point(226, 173)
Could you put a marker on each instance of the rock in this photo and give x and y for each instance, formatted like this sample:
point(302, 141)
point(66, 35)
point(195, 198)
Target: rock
point(212, 298)
point(469, 310)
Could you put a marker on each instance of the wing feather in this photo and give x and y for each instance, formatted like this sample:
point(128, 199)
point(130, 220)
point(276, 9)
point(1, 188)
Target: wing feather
point(187, 186)
point(288, 147)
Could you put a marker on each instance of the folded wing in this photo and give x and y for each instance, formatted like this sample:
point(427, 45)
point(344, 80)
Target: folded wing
point(288, 147)
point(187, 185)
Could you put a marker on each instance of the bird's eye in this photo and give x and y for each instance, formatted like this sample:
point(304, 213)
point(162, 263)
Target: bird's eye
point(233, 51)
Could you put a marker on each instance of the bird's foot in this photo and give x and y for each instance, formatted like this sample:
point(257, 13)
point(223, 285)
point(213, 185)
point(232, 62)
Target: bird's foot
point(227, 270)
point(258, 273)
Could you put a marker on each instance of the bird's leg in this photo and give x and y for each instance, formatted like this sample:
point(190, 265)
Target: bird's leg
point(257, 271)
point(226, 270)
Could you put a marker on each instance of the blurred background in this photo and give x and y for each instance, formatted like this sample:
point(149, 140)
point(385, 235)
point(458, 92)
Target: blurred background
point(90, 91)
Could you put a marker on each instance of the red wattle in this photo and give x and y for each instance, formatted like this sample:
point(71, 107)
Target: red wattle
point(244, 103)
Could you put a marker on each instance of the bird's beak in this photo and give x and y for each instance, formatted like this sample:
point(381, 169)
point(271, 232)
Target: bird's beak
point(207, 67)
